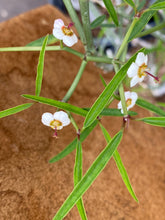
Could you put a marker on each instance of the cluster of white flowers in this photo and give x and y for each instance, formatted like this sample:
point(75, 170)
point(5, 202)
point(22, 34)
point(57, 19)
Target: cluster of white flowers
point(137, 71)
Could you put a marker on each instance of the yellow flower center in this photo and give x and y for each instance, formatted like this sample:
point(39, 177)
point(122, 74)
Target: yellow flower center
point(55, 124)
point(67, 31)
point(141, 70)
point(128, 102)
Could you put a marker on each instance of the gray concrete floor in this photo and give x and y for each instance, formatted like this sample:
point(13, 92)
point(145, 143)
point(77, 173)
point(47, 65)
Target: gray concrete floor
point(11, 8)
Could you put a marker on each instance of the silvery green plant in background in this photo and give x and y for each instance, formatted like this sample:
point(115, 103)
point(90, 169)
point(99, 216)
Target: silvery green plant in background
point(126, 23)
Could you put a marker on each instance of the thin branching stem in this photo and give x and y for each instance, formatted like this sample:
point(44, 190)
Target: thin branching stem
point(152, 30)
point(75, 82)
point(38, 48)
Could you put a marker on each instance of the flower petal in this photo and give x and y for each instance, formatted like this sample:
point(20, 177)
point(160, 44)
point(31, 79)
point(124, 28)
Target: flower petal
point(119, 105)
point(127, 95)
point(141, 58)
point(141, 78)
point(58, 33)
point(133, 70)
point(58, 23)
point(70, 40)
point(146, 59)
point(47, 118)
point(62, 117)
point(134, 96)
point(134, 81)
point(59, 127)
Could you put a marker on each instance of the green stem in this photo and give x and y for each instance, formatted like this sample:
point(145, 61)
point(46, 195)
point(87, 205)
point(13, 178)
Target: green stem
point(84, 9)
point(38, 48)
point(125, 41)
point(151, 30)
point(75, 19)
point(116, 66)
point(61, 44)
point(102, 59)
point(75, 82)
point(73, 121)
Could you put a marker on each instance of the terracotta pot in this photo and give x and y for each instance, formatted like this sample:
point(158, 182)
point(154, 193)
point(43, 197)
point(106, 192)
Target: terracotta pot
point(31, 188)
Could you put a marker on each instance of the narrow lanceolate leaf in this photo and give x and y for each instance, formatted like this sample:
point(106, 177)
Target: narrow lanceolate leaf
point(140, 24)
point(103, 81)
point(40, 68)
point(39, 42)
point(162, 104)
point(78, 163)
point(58, 104)
point(77, 178)
point(158, 6)
point(15, 110)
point(156, 121)
point(149, 106)
point(131, 3)
point(98, 21)
point(120, 165)
point(72, 145)
point(102, 100)
point(113, 112)
point(111, 11)
point(92, 173)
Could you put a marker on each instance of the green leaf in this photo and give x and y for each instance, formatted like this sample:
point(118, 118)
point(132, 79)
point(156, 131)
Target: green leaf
point(132, 4)
point(58, 104)
point(109, 25)
point(140, 24)
point(113, 112)
point(111, 11)
point(149, 106)
point(104, 97)
point(103, 81)
point(15, 110)
point(39, 42)
point(78, 164)
point(141, 5)
point(72, 145)
point(124, 174)
point(98, 21)
point(120, 165)
point(40, 68)
point(92, 173)
point(105, 133)
point(158, 6)
point(162, 104)
point(77, 178)
point(156, 121)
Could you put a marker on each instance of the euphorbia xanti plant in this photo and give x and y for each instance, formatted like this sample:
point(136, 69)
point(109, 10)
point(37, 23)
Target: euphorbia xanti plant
point(121, 87)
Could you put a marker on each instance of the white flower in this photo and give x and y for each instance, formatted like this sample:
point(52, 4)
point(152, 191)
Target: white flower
point(64, 33)
point(56, 121)
point(137, 70)
point(130, 98)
